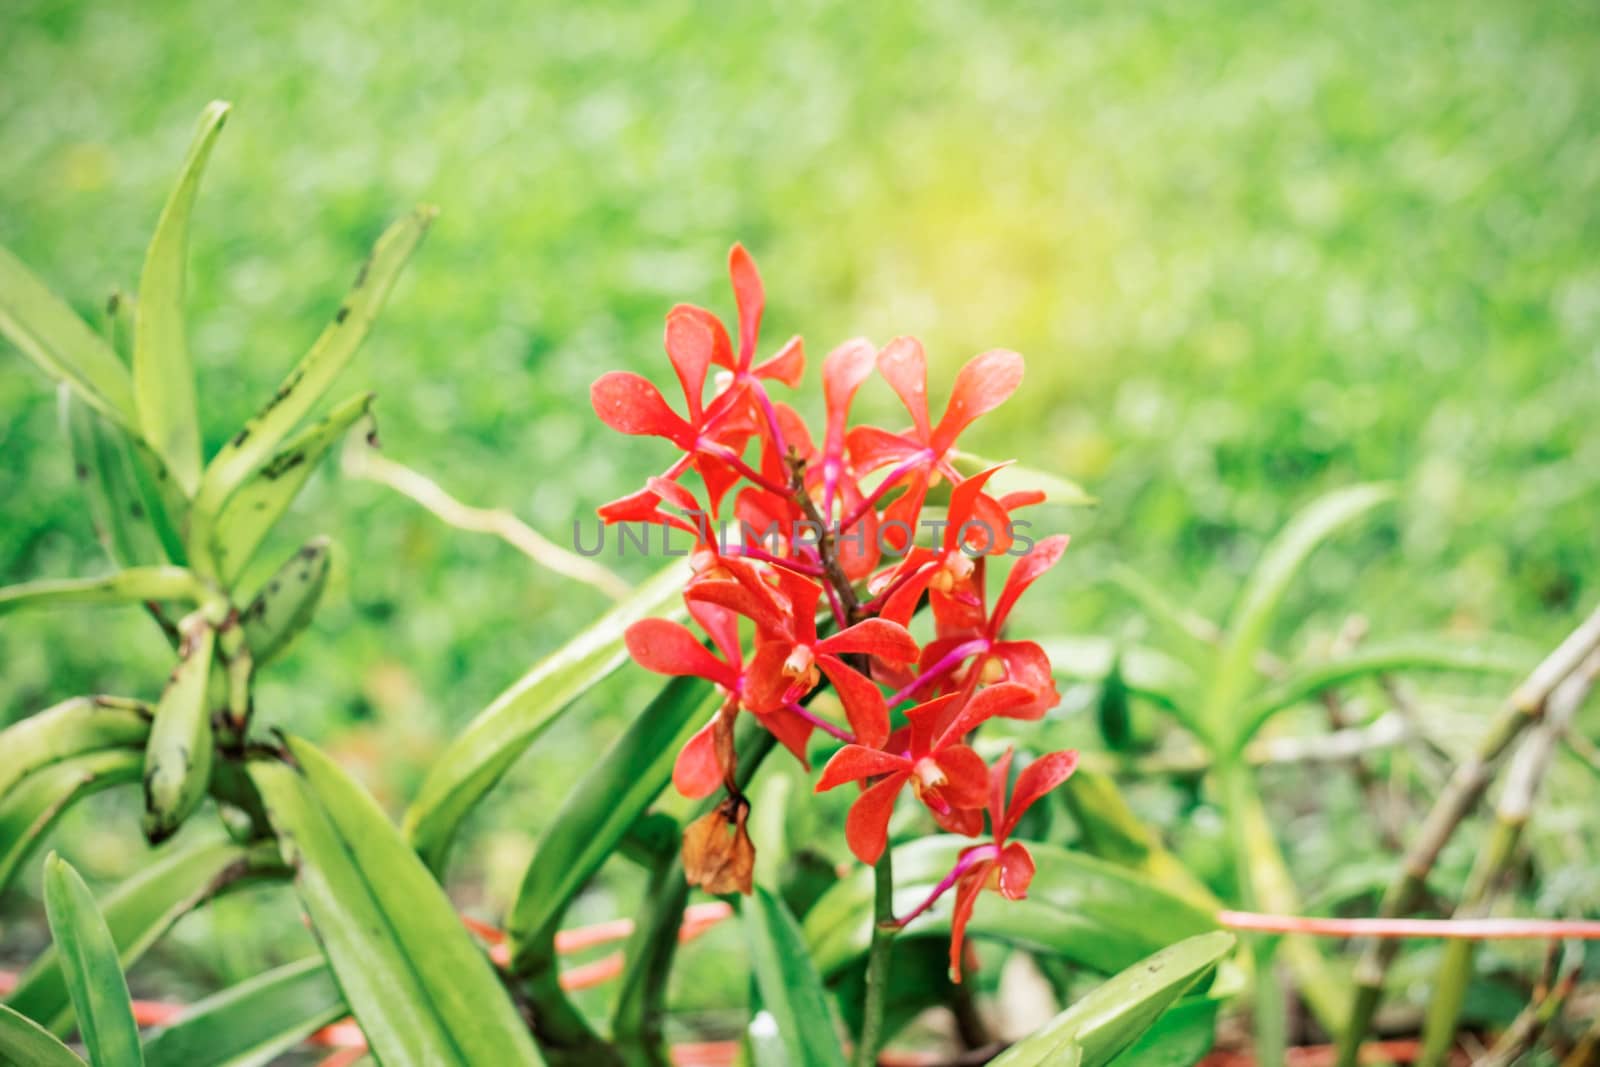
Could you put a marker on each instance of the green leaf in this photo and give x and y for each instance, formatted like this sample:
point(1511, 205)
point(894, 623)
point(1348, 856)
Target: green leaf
point(1109, 829)
point(71, 728)
point(60, 343)
point(1400, 654)
point(142, 908)
point(177, 766)
point(311, 378)
point(1258, 604)
point(131, 586)
point(794, 1006)
point(419, 987)
point(253, 1023)
point(23, 1041)
point(1113, 1015)
point(31, 807)
point(260, 502)
point(1084, 909)
point(609, 798)
point(1015, 478)
point(163, 379)
point(286, 604)
point(89, 960)
point(1149, 673)
point(1180, 1038)
point(103, 468)
point(472, 763)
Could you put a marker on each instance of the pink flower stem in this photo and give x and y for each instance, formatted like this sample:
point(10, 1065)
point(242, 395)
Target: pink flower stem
point(969, 859)
point(822, 724)
point(944, 665)
point(1447, 929)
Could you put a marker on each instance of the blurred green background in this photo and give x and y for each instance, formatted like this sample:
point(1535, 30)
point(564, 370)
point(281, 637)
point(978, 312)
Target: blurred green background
point(1250, 253)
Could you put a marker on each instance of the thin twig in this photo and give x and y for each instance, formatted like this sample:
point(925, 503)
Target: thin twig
point(360, 460)
point(1460, 795)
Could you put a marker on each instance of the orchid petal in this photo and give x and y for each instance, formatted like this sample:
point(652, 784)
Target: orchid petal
point(1036, 779)
point(904, 366)
point(1044, 555)
point(751, 298)
point(630, 404)
point(981, 386)
point(862, 700)
point(866, 828)
point(697, 772)
point(873, 637)
point(856, 763)
point(668, 647)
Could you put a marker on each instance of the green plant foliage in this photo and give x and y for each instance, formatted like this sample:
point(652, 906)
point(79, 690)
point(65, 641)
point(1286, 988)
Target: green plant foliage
point(794, 1026)
point(89, 961)
point(1110, 1018)
point(252, 1023)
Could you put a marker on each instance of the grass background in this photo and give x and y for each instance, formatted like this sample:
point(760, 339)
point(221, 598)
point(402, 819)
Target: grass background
point(1250, 253)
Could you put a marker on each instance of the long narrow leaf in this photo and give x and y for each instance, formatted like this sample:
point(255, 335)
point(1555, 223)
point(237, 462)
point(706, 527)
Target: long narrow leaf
point(374, 969)
point(33, 805)
point(472, 763)
point(60, 343)
point(132, 586)
point(315, 373)
point(23, 1041)
point(104, 474)
point(1113, 1015)
point(609, 798)
point(1401, 654)
point(792, 997)
point(71, 728)
point(1080, 908)
point(89, 960)
point(285, 605)
point(253, 1023)
point(460, 988)
point(163, 379)
point(260, 502)
point(142, 908)
point(1258, 604)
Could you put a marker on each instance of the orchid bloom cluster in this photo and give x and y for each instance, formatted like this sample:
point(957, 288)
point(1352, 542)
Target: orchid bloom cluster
point(828, 530)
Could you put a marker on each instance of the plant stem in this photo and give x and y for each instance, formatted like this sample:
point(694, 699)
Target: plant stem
point(1460, 795)
point(1523, 777)
point(878, 961)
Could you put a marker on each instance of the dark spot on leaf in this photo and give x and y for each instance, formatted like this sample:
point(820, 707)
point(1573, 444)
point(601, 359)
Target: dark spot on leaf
point(342, 314)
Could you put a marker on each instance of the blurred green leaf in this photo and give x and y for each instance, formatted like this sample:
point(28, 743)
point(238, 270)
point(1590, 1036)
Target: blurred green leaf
point(472, 763)
point(31, 807)
point(287, 602)
point(1112, 1016)
point(131, 586)
point(26, 1043)
point(262, 436)
point(253, 1023)
point(610, 797)
point(1253, 615)
point(103, 468)
point(139, 910)
point(163, 379)
point(71, 728)
point(1084, 909)
point(60, 343)
point(795, 1013)
point(1392, 656)
point(263, 497)
point(89, 961)
point(422, 991)
point(1110, 829)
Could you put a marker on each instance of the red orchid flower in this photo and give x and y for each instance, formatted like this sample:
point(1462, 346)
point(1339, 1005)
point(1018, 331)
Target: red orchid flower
point(992, 659)
point(949, 574)
point(710, 438)
point(705, 762)
point(945, 774)
point(790, 660)
point(922, 455)
point(1006, 868)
